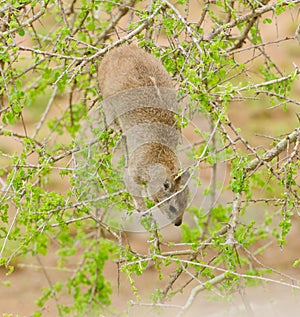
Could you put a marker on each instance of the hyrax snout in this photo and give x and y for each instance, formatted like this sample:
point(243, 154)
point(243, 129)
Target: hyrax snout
point(139, 99)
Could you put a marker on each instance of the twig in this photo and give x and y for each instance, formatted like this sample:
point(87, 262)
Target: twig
point(8, 233)
point(180, 270)
point(28, 22)
point(241, 275)
point(190, 31)
point(196, 290)
point(123, 9)
point(253, 47)
point(270, 82)
point(49, 105)
point(243, 37)
point(50, 283)
point(50, 54)
point(17, 135)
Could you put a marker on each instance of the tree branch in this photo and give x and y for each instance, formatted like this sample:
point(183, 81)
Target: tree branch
point(275, 151)
point(196, 290)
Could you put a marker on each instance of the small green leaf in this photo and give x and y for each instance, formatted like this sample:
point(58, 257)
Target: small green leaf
point(296, 263)
point(267, 21)
point(21, 32)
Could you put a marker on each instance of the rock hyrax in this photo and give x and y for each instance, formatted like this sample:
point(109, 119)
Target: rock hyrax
point(139, 99)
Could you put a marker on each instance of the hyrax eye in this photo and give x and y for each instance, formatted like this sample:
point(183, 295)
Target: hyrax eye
point(167, 185)
point(173, 209)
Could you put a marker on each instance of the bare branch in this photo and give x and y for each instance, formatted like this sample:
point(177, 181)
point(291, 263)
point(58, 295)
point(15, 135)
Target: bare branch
point(270, 82)
point(196, 290)
point(274, 152)
point(236, 206)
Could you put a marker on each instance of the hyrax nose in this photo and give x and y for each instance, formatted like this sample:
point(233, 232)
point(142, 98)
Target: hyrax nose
point(178, 222)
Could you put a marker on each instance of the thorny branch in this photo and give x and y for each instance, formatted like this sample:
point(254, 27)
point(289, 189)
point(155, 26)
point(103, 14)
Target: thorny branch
point(196, 290)
point(275, 151)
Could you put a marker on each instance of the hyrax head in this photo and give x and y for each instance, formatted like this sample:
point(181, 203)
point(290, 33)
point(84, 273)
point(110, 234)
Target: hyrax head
point(173, 197)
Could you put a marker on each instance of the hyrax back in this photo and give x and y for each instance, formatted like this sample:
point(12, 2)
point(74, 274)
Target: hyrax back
point(129, 67)
point(140, 100)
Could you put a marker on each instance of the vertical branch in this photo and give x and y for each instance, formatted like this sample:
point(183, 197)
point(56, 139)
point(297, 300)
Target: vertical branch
point(2, 64)
point(3, 28)
point(236, 207)
point(71, 101)
point(213, 181)
point(44, 115)
point(229, 7)
point(50, 284)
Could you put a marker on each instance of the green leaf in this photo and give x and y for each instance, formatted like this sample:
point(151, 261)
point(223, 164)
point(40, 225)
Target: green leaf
point(267, 20)
point(21, 32)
